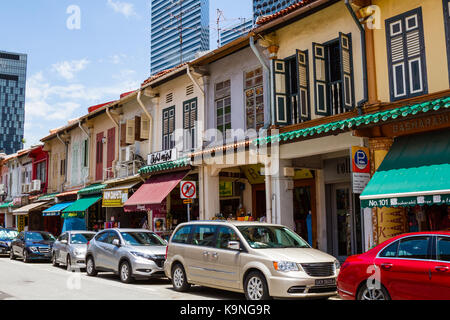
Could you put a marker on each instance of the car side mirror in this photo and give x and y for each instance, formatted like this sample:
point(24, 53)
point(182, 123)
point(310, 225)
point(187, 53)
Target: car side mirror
point(116, 242)
point(64, 242)
point(234, 245)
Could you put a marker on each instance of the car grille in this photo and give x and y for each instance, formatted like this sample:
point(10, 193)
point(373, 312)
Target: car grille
point(318, 269)
point(44, 250)
point(322, 289)
point(160, 262)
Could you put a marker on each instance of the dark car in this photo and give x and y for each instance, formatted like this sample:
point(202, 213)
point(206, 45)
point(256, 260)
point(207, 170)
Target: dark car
point(6, 237)
point(32, 245)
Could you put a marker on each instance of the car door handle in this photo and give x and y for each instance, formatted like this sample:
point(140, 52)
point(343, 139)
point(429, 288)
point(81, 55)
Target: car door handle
point(215, 255)
point(441, 268)
point(386, 266)
point(205, 253)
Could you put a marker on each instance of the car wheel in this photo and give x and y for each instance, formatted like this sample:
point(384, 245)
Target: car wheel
point(256, 287)
point(90, 267)
point(125, 273)
point(377, 292)
point(25, 256)
point(68, 263)
point(54, 260)
point(11, 255)
point(179, 279)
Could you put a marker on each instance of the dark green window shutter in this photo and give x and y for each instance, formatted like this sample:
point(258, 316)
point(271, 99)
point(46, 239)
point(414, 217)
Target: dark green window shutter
point(304, 108)
point(320, 80)
point(347, 93)
point(281, 107)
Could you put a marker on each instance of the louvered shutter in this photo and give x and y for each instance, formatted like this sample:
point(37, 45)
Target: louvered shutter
point(193, 120)
point(320, 80)
point(123, 135)
point(145, 127)
point(345, 44)
point(303, 85)
point(130, 132)
point(406, 55)
point(281, 106)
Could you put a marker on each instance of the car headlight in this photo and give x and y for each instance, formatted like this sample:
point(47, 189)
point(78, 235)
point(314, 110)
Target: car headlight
point(143, 255)
point(33, 249)
point(285, 266)
point(337, 265)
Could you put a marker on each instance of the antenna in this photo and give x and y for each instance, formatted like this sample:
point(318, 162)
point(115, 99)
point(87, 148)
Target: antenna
point(179, 17)
point(219, 14)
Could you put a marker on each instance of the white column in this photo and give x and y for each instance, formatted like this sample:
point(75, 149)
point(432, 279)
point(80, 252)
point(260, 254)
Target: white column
point(283, 202)
point(321, 211)
point(211, 192)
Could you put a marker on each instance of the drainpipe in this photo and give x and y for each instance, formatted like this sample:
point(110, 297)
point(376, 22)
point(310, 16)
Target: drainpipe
point(117, 139)
point(201, 167)
point(65, 162)
point(88, 142)
point(150, 118)
point(268, 89)
point(364, 57)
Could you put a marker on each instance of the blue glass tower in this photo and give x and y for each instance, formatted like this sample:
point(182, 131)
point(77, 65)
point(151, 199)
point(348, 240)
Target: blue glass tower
point(268, 7)
point(179, 30)
point(13, 72)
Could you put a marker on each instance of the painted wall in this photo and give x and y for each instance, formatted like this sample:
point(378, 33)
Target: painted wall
point(322, 27)
point(57, 152)
point(435, 43)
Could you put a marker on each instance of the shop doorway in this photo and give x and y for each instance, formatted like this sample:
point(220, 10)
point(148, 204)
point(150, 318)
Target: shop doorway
point(340, 220)
point(304, 195)
point(259, 201)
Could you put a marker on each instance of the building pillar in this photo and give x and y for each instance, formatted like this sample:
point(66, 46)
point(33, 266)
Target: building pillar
point(386, 222)
point(211, 193)
point(320, 228)
point(282, 188)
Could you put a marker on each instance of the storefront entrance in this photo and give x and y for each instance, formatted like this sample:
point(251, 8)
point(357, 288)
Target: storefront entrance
point(305, 209)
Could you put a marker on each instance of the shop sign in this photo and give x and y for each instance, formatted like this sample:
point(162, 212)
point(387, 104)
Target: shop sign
point(114, 198)
point(406, 201)
point(162, 156)
point(337, 170)
point(226, 189)
point(360, 168)
point(67, 215)
point(188, 190)
point(254, 176)
point(20, 223)
point(423, 124)
point(20, 201)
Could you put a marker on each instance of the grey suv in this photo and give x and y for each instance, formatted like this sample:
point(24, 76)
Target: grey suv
point(130, 253)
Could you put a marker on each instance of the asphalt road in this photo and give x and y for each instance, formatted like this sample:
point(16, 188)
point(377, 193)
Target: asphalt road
point(42, 281)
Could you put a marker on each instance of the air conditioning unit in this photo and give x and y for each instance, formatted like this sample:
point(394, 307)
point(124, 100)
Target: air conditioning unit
point(2, 189)
point(36, 185)
point(129, 153)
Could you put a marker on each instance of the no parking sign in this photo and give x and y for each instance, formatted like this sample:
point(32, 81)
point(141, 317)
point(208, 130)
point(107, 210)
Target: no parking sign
point(188, 190)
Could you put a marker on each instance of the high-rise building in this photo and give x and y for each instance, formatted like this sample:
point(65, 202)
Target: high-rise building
point(13, 72)
point(179, 30)
point(235, 31)
point(268, 7)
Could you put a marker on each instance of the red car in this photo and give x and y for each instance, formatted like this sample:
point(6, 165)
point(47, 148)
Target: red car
point(413, 266)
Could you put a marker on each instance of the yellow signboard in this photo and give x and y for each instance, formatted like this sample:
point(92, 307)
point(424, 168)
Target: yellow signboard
point(20, 223)
point(226, 189)
point(114, 198)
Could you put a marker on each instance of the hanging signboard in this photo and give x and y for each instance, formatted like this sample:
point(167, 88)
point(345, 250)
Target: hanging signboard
point(360, 168)
point(162, 156)
point(114, 198)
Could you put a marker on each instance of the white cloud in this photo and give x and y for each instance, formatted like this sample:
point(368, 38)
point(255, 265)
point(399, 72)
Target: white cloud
point(125, 8)
point(68, 69)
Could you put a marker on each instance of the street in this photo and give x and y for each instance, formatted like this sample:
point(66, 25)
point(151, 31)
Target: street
point(42, 281)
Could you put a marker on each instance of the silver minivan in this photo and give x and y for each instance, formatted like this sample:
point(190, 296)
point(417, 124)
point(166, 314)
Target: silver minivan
point(259, 259)
point(131, 253)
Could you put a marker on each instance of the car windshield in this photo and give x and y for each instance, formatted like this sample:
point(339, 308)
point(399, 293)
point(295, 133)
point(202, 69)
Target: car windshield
point(142, 239)
point(81, 238)
point(8, 234)
point(268, 237)
point(39, 236)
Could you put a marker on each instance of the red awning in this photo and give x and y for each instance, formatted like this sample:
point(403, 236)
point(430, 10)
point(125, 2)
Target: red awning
point(152, 193)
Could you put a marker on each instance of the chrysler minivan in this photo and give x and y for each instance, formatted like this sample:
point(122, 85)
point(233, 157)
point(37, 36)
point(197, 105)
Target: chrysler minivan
point(259, 259)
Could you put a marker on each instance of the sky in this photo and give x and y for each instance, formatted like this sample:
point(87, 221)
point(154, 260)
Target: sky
point(85, 52)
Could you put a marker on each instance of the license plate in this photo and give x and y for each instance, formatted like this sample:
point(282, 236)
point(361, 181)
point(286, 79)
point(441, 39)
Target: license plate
point(325, 282)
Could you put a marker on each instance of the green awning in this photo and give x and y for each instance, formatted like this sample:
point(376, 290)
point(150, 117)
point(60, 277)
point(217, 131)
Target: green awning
point(6, 205)
point(416, 171)
point(92, 189)
point(184, 162)
point(79, 207)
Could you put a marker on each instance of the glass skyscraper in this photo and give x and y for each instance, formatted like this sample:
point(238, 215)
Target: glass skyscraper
point(179, 30)
point(268, 7)
point(236, 31)
point(13, 72)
